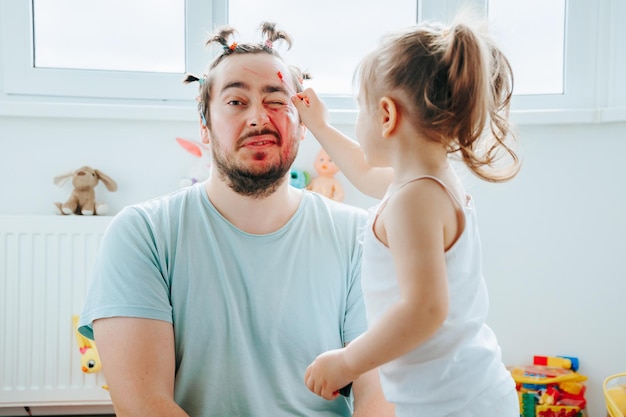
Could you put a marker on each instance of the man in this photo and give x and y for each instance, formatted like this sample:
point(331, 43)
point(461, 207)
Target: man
point(212, 301)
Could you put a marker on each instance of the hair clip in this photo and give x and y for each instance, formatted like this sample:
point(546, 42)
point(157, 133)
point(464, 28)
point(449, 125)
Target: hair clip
point(201, 110)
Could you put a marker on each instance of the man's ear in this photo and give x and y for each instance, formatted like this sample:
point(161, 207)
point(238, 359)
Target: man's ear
point(204, 133)
point(301, 134)
point(389, 115)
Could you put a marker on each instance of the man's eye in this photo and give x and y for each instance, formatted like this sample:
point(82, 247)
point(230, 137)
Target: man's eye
point(235, 102)
point(277, 103)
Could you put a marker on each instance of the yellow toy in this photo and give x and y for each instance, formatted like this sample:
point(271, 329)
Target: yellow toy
point(615, 394)
point(89, 358)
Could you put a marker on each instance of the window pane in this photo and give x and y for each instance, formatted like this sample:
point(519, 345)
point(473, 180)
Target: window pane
point(531, 34)
point(123, 35)
point(329, 37)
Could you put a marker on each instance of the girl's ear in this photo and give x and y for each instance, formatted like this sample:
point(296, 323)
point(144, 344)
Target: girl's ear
point(389, 116)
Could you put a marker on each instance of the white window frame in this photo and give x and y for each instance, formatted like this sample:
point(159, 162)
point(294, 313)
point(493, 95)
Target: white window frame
point(593, 90)
point(21, 78)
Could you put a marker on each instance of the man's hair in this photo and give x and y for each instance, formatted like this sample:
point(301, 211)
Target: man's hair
point(225, 37)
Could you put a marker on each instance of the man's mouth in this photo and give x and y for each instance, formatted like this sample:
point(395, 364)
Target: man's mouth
point(260, 143)
point(262, 139)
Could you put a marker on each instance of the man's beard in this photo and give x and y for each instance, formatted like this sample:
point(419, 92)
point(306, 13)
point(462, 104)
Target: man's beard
point(247, 182)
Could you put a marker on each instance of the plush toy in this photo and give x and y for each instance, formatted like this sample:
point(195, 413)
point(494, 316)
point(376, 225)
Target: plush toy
point(89, 358)
point(325, 183)
point(202, 168)
point(83, 197)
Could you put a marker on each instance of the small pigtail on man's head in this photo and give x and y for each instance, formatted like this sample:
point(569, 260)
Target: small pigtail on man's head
point(300, 76)
point(190, 78)
point(271, 35)
point(222, 37)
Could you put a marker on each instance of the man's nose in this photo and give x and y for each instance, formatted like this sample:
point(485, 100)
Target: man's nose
point(258, 115)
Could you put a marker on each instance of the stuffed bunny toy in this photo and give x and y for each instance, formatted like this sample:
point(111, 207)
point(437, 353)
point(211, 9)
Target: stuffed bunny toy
point(83, 197)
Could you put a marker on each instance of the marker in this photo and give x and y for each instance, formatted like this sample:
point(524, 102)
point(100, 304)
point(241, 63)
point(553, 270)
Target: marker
point(290, 89)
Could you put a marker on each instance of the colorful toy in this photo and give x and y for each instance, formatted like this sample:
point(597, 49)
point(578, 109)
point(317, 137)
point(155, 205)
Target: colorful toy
point(83, 197)
point(201, 170)
point(554, 390)
point(566, 362)
point(89, 358)
point(325, 183)
point(299, 178)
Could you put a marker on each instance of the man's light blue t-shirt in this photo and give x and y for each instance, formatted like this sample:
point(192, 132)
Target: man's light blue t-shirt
point(250, 312)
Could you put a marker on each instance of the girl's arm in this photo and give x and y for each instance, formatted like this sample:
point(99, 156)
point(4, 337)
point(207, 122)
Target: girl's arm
point(346, 153)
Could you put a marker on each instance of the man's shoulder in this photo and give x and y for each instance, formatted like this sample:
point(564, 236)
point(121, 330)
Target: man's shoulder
point(157, 209)
point(337, 210)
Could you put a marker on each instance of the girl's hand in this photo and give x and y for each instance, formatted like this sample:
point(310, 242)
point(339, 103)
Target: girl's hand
point(328, 373)
point(312, 110)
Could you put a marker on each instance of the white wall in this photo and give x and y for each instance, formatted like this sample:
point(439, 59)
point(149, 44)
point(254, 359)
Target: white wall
point(553, 237)
point(143, 157)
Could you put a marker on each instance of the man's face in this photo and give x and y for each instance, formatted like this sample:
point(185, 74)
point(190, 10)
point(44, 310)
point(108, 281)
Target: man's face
point(255, 130)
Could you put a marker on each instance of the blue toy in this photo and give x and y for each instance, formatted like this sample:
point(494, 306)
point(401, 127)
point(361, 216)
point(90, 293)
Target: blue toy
point(299, 178)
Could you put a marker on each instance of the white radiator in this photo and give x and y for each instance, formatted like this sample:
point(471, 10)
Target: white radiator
point(45, 268)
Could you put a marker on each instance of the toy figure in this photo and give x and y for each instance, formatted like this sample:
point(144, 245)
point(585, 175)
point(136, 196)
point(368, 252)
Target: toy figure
point(83, 197)
point(325, 183)
point(89, 358)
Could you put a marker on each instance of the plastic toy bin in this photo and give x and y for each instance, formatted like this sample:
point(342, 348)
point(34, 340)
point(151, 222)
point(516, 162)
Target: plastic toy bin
point(615, 395)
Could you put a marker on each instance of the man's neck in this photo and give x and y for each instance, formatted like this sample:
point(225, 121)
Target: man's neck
point(254, 215)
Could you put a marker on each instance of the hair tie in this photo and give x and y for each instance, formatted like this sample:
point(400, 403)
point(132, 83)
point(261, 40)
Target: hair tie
point(230, 48)
point(269, 44)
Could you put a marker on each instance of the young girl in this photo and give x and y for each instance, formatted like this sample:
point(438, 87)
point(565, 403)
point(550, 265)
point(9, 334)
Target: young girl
point(425, 93)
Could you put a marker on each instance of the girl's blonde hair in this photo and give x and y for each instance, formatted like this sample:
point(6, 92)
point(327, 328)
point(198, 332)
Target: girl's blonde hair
point(452, 82)
point(225, 37)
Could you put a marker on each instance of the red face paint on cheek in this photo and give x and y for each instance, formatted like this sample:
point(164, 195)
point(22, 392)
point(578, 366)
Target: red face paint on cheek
point(286, 122)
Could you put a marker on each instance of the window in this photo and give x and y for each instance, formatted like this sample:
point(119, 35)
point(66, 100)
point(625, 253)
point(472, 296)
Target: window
point(73, 40)
point(154, 43)
point(329, 38)
point(536, 55)
point(575, 73)
point(540, 37)
point(95, 69)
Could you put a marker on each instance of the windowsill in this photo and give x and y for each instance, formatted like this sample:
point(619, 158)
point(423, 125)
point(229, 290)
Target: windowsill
point(186, 111)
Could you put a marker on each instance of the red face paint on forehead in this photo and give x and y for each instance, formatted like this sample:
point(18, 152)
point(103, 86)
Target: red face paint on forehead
point(283, 83)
